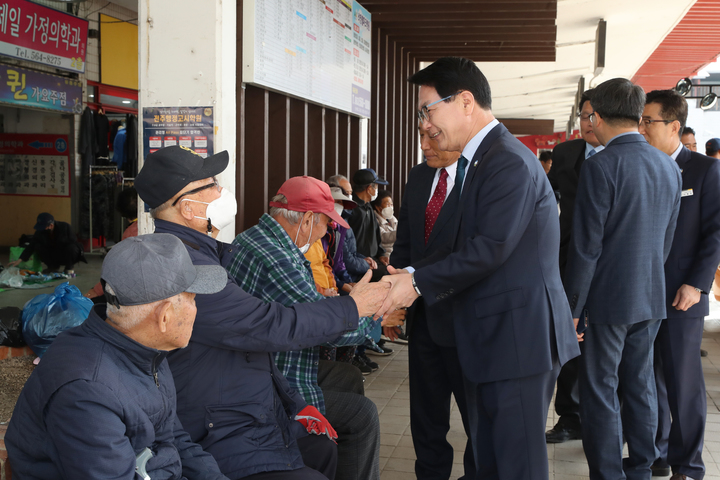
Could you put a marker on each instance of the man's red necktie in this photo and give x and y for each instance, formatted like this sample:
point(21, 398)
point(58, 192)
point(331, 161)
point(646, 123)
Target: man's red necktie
point(436, 202)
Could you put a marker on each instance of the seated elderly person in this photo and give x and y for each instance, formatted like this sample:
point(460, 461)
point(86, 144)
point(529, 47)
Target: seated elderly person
point(103, 400)
point(232, 399)
point(268, 262)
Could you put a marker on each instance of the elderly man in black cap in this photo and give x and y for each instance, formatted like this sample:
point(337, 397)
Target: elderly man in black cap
point(232, 398)
point(102, 402)
point(363, 222)
point(55, 244)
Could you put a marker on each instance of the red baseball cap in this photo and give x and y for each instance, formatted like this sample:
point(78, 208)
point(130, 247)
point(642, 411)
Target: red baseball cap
point(308, 194)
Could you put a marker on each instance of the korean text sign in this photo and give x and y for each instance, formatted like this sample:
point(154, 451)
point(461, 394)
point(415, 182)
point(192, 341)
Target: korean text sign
point(34, 164)
point(40, 34)
point(189, 127)
point(28, 88)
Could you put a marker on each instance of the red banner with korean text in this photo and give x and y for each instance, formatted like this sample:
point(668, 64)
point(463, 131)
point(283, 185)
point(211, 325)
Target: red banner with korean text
point(40, 34)
point(34, 164)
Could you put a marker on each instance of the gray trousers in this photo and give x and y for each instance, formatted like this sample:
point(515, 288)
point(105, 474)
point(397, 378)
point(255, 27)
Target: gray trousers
point(354, 417)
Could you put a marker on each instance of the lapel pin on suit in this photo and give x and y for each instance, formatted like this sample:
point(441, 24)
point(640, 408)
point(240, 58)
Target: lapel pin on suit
point(475, 163)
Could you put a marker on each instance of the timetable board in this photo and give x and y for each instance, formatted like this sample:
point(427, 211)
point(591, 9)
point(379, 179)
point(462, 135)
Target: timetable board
point(318, 50)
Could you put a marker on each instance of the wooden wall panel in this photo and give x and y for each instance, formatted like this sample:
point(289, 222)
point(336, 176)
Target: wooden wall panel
point(343, 145)
point(255, 175)
point(331, 143)
point(298, 137)
point(316, 141)
point(278, 147)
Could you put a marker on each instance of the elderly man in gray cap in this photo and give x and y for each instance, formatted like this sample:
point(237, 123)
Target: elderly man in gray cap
point(102, 402)
point(232, 399)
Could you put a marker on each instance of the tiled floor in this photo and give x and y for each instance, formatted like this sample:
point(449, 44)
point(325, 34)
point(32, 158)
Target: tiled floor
point(388, 388)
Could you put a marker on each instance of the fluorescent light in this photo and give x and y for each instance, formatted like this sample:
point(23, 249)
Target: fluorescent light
point(126, 101)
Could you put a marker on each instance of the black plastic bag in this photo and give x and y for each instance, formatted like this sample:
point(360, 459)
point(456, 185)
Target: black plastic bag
point(11, 327)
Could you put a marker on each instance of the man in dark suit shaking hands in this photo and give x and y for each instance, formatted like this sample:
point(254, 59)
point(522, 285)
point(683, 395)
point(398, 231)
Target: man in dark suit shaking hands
point(512, 323)
point(426, 229)
point(625, 214)
point(689, 273)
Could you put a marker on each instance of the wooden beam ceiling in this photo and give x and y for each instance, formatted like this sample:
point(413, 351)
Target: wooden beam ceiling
point(482, 30)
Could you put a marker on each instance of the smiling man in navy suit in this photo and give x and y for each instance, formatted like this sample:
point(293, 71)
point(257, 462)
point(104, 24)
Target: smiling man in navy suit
point(625, 214)
point(425, 233)
point(512, 323)
point(689, 273)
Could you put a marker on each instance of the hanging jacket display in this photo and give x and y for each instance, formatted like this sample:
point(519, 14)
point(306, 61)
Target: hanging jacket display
point(119, 147)
point(102, 131)
point(88, 140)
point(131, 147)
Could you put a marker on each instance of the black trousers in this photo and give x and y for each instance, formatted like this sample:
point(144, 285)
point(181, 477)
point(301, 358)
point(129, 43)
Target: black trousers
point(567, 396)
point(320, 456)
point(682, 404)
point(435, 375)
point(67, 254)
point(355, 419)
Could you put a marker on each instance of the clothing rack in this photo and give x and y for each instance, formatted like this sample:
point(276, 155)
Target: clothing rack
point(95, 170)
point(126, 183)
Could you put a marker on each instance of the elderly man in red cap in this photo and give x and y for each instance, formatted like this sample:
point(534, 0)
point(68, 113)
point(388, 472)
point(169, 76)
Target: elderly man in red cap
point(269, 263)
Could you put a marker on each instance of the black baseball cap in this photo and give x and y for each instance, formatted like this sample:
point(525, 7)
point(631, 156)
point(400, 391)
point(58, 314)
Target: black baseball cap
point(366, 176)
point(149, 268)
point(170, 169)
point(712, 146)
point(44, 220)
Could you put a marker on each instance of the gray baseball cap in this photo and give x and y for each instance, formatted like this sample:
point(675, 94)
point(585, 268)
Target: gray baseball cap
point(148, 268)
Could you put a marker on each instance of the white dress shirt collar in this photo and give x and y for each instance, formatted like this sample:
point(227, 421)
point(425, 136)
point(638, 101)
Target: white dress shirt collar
point(472, 146)
point(589, 148)
point(677, 152)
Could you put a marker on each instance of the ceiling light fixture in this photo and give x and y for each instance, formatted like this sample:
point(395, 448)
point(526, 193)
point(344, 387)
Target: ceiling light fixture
point(684, 87)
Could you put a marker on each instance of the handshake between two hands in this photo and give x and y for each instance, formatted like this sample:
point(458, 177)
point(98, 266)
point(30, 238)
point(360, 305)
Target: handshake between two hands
point(392, 292)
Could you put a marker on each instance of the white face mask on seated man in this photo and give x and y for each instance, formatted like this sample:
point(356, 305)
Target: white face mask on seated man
point(221, 211)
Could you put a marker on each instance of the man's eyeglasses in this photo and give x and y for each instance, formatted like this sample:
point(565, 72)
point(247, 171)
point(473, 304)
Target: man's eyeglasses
point(424, 113)
point(584, 116)
point(591, 117)
point(199, 189)
point(648, 121)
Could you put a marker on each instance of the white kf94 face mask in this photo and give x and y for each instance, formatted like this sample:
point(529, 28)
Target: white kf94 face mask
point(304, 249)
point(220, 212)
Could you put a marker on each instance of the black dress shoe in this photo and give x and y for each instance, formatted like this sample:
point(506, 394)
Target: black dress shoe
point(561, 434)
point(660, 469)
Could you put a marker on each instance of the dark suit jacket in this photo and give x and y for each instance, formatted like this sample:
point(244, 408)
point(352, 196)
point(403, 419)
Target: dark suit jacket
point(625, 214)
point(511, 316)
point(564, 176)
point(695, 252)
point(410, 248)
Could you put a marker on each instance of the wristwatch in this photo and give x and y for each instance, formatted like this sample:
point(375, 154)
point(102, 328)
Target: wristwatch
point(699, 290)
point(412, 278)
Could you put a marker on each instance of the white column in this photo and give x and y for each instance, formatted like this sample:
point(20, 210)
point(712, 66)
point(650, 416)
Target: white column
point(187, 55)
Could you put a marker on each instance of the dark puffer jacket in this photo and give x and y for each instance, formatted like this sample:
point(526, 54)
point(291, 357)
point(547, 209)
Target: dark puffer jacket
point(96, 401)
point(232, 399)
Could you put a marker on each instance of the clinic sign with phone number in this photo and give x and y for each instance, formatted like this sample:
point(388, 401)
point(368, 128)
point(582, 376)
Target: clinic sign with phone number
point(43, 35)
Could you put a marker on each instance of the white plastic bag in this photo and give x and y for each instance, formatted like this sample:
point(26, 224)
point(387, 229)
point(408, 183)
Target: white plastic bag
point(10, 277)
